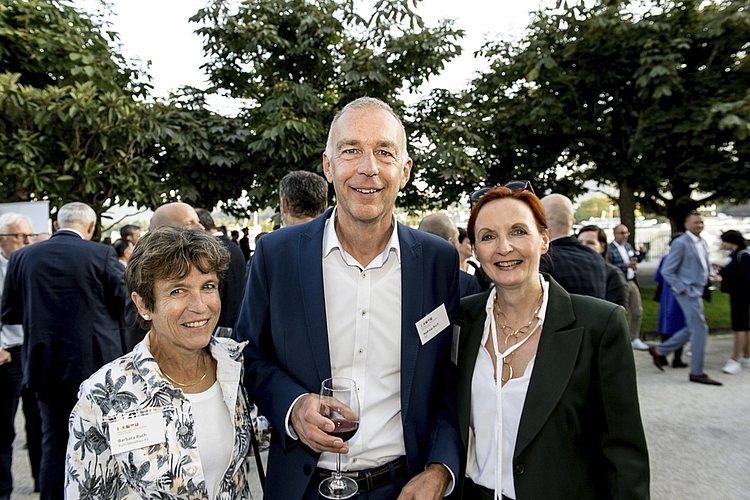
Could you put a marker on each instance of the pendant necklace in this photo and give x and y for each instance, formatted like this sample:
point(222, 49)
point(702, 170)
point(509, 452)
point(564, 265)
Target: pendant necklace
point(506, 360)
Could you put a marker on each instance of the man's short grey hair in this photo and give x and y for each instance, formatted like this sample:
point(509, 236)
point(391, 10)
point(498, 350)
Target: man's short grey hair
point(365, 103)
point(306, 193)
point(75, 213)
point(10, 218)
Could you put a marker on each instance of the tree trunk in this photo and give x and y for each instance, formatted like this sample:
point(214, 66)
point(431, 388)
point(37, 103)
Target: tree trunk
point(627, 209)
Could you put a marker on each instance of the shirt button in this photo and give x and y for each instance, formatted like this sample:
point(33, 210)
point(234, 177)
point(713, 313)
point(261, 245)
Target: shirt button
point(183, 430)
point(190, 471)
point(364, 312)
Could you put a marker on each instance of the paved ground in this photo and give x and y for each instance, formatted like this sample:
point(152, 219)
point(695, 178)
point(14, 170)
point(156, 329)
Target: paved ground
point(698, 436)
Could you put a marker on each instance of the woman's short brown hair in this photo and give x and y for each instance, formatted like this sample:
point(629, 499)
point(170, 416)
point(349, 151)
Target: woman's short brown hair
point(500, 192)
point(169, 253)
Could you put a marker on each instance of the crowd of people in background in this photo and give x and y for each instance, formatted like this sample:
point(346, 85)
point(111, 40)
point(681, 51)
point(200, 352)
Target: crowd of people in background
point(215, 347)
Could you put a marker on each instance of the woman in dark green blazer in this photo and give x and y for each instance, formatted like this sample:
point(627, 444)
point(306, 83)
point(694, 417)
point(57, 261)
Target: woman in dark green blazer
point(565, 423)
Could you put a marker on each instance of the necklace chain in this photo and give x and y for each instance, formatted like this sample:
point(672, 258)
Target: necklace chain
point(205, 373)
point(515, 333)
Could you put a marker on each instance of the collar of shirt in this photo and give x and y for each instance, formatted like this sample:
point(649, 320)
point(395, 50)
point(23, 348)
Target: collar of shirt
point(695, 239)
point(72, 231)
point(331, 241)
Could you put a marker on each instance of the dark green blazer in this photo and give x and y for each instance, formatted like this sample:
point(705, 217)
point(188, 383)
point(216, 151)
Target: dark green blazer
point(580, 435)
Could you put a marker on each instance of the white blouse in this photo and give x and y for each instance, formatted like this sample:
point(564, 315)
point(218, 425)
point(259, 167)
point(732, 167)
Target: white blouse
point(214, 432)
point(495, 415)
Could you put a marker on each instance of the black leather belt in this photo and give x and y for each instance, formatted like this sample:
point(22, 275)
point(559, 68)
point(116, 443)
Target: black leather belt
point(370, 479)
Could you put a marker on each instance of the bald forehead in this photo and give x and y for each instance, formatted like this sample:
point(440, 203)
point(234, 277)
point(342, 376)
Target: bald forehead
point(174, 214)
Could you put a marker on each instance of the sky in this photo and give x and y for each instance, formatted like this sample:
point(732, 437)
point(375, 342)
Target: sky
point(159, 31)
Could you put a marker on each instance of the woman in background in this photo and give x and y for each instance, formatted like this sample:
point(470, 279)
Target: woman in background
point(735, 280)
point(671, 318)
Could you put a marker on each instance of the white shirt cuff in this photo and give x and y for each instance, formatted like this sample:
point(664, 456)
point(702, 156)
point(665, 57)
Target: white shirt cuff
point(287, 420)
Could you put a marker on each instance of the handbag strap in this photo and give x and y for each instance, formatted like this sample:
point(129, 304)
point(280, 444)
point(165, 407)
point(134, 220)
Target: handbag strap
point(256, 452)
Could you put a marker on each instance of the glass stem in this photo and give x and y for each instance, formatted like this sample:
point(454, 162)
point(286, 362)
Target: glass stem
point(338, 465)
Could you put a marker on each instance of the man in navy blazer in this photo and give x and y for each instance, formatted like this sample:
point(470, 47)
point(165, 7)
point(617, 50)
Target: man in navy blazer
point(355, 294)
point(69, 295)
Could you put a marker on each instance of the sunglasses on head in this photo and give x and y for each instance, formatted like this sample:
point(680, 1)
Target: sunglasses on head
point(514, 186)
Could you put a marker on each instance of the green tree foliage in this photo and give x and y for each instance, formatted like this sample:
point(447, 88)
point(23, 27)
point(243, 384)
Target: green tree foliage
point(71, 125)
point(655, 103)
point(296, 62)
point(201, 155)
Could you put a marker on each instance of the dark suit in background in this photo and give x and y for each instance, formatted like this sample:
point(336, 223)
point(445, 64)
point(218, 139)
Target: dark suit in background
point(576, 267)
point(469, 284)
point(580, 435)
point(69, 295)
point(233, 285)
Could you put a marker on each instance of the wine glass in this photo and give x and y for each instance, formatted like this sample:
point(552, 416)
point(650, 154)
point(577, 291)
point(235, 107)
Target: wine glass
point(339, 403)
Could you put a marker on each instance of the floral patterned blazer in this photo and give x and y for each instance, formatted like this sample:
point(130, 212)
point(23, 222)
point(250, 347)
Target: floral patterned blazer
point(133, 386)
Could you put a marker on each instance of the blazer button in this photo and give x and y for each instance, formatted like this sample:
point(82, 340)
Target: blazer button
point(518, 469)
point(307, 470)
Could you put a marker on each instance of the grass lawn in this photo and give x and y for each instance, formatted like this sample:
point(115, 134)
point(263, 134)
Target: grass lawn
point(717, 311)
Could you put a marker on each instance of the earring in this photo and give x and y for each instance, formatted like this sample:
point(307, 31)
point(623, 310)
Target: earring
point(146, 317)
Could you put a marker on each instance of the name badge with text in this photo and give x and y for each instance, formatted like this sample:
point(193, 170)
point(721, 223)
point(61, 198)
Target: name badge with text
point(432, 324)
point(138, 431)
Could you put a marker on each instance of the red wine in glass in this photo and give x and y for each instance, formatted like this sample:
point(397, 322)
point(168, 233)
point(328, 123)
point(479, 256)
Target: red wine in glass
point(345, 429)
point(339, 403)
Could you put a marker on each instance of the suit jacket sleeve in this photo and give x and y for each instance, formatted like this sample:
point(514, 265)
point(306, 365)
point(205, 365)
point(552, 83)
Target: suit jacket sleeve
point(12, 305)
point(623, 442)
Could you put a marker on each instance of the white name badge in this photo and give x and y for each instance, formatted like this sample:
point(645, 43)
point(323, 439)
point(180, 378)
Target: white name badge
point(138, 431)
point(432, 324)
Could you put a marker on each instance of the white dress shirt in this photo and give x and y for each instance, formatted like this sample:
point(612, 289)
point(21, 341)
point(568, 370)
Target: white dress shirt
point(702, 249)
point(363, 313)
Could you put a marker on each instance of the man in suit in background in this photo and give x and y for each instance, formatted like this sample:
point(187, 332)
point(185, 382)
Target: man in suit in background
point(15, 233)
point(303, 196)
point(443, 226)
point(69, 295)
point(234, 277)
point(245, 243)
point(687, 271)
point(624, 257)
point(349, 294)
point(576, 267)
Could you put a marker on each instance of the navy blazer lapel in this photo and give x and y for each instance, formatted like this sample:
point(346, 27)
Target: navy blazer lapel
point(310, 255)
point(411, 309)
point(556, 357)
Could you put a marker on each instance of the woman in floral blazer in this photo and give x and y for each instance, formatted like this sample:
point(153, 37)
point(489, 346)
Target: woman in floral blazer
point(169, 419)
